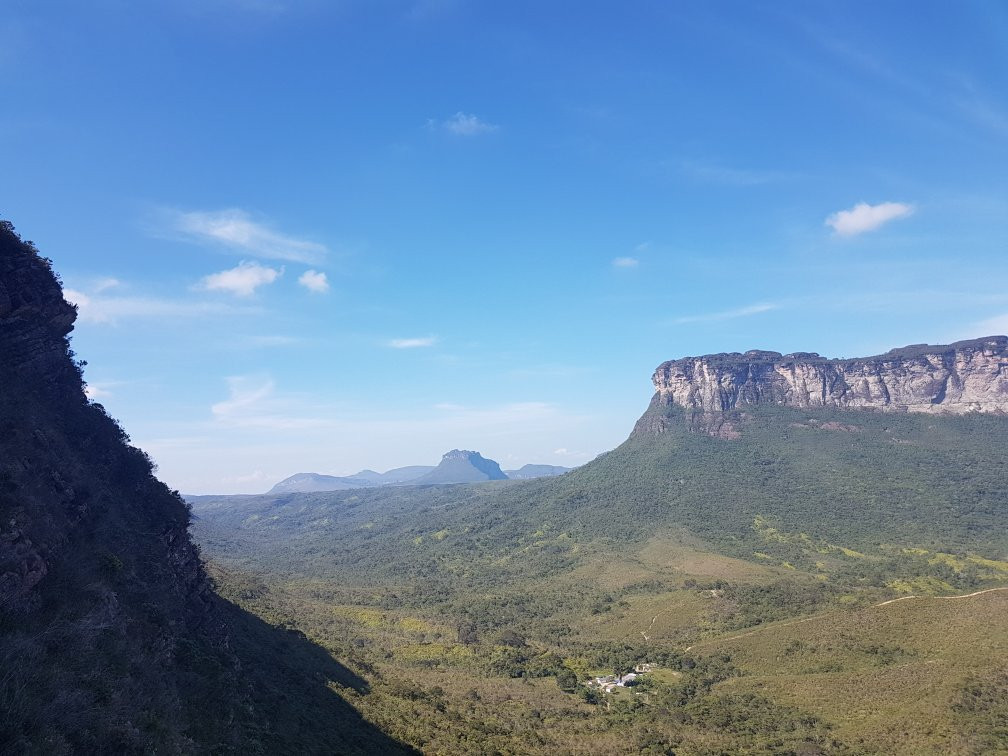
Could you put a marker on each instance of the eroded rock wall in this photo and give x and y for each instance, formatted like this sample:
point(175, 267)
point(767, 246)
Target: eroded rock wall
point(968, 376)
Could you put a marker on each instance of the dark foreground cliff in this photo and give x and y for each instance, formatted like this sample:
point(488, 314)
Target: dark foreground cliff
point(112, 639)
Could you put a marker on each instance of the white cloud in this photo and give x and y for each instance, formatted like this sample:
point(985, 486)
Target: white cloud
point(864, 217)
point(95, 391)
point(235, 229)
point(315, 281)
point(105, 284)
point(252, 403)
point(625, 262)
point(467, 125)
point(242, 280)
point(413, 343)
point(741, 312)
point(94, 308)
point(244, 392)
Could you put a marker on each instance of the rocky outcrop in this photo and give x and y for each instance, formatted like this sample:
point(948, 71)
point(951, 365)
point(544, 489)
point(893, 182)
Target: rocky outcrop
point(102, 592)
point(967, 376)
point(34, 318)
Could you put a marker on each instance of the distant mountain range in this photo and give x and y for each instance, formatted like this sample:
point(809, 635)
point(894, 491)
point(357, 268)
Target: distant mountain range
point(456, 466)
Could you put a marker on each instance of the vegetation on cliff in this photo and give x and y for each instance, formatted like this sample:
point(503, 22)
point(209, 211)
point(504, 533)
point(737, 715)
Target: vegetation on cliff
point(112, 639)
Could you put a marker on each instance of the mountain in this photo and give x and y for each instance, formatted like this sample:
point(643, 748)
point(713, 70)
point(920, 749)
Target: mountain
point(967, 376)
point(396, 476)
point(461, 466)
point(770, 555)
point(527, 472)
point(307, 482)
point(463, 469)
point(112, 639)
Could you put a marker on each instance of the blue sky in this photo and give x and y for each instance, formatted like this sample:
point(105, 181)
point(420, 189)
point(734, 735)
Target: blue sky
point(314, 236)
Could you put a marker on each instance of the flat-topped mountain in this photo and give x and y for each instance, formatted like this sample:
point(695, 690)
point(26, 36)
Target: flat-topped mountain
point(462, 466)
point(967, 376)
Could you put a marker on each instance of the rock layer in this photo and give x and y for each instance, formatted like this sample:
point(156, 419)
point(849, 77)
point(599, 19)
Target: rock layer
point(967, 376)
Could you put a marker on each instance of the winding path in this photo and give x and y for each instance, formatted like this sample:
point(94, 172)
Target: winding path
point(653, 620)
point(820, 616)
point(946, 598)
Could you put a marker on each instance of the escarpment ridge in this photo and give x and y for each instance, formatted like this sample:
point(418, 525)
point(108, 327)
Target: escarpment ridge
point(967, 376)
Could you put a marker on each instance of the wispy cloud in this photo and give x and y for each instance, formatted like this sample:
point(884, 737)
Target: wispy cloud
point(414, 343)
point(465, 125)
point(625, 262)
point(253, 403)
point(236, 230)
point(242, 280)
point(99, 308)
point(314, 281)
point(105, 284)
point(864, 217)
point(741, 312)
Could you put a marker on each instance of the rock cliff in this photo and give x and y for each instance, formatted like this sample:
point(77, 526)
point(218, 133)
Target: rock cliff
point(967, 376)
point(112, 639)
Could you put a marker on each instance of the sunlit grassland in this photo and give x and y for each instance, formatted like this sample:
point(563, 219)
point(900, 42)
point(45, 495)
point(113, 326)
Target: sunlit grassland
point(886, 674)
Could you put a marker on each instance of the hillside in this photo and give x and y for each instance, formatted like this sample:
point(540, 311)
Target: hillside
point(112, 639)
point(699, 526)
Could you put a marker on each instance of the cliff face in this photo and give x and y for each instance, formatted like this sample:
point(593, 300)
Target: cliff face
point(112, 639)
point(101, 588)
point(968, 376)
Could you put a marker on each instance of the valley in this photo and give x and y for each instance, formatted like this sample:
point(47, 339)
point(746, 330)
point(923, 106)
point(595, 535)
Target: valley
point(767, 576)
point(786, 578)
point(503, 379)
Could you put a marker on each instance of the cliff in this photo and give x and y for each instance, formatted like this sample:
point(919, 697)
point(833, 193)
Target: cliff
point(967, 376)
point(112, 639)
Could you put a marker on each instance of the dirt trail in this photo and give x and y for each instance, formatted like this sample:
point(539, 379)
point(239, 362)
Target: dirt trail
point(653, 620)
point(757, 630)
point(946, 598)
point(820, 616)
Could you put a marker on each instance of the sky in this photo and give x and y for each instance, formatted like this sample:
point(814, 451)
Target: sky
point(327, 236)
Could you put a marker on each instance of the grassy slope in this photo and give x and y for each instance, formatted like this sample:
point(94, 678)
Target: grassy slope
point(889, 676)
point(682, 536)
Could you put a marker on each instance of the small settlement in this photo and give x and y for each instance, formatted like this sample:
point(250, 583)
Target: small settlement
point(608, 683)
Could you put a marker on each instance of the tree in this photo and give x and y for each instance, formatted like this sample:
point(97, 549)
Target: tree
point(567, 679)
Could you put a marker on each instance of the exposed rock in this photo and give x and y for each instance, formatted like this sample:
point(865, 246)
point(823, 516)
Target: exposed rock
point(968, 376)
